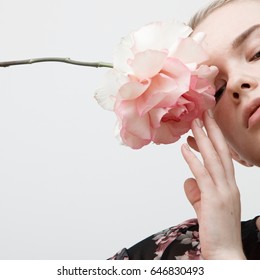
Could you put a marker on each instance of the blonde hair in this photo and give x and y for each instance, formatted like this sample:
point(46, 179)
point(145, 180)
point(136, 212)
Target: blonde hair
point(203, 13)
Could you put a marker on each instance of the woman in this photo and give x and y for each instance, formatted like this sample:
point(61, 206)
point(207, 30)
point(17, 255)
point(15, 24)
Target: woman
point(232, 30)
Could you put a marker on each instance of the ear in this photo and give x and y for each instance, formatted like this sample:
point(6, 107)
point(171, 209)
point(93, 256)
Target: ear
point(237, 157)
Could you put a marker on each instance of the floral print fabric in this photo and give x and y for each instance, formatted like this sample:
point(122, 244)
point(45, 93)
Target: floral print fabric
point(181, 242)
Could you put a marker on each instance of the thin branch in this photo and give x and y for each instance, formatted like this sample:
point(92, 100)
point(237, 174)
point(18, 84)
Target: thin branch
point(56, 59)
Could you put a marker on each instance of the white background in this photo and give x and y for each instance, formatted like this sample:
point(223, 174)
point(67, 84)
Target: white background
point(68, 190)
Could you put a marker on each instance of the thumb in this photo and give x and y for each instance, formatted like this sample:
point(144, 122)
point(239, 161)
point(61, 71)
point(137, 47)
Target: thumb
point(192, 192)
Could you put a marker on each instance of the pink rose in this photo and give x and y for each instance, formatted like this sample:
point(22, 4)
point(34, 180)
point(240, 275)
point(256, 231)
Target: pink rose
point(158, 84)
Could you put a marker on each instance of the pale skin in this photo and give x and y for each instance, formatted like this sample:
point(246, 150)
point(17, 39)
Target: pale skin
point(231, 129)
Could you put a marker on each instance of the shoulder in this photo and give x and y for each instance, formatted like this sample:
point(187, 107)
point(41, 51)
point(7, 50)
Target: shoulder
point(175, 243)
point(251, 238)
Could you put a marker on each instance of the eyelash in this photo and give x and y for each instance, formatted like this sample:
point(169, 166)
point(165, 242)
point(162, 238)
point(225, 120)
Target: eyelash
point(256, 56)
point(219, 93)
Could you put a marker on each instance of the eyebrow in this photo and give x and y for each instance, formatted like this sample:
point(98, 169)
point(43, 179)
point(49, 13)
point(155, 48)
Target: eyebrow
point(244, 36)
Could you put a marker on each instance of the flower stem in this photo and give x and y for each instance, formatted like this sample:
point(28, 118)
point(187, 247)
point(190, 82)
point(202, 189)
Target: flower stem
point(56, 59)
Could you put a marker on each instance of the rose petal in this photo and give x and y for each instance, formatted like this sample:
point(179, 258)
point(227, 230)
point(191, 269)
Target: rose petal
point(156, 116)
point(176, 113)
point(132, 90)
point(108, 90)
point(166, 87)
point(133, 141)
point(202, 101)
point(159, 35)
point(207, 72)
point(176, 69)
point(163, 92)
point(202, 85)
point(123, 53)
point(131, 121)
point(147, 64)
point(163, 134)
point(178, 128)
point(189, 51)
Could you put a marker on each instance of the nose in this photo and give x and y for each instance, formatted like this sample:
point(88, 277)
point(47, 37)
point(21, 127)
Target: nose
point(241, 85)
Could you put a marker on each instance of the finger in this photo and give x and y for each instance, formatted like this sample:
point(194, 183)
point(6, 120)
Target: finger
point(211, 159)
point(200, 173)
point(192, 143)
point(219, 143)
point(192, 192)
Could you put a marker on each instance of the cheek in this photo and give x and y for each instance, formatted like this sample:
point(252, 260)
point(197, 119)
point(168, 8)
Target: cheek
point(224, 117)
point(220, 113)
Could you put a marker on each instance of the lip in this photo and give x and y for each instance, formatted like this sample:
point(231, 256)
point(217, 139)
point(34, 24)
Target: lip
point(250, 110)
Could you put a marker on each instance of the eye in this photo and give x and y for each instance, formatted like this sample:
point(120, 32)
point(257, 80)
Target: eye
point(256, 56)
point(219, 93)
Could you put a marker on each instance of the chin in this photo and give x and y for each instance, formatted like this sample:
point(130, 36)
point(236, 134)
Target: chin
point(252, 162)
point(256, 164)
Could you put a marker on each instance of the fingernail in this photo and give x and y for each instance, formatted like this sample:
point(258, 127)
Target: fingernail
point(210, 113)
point(199, 122)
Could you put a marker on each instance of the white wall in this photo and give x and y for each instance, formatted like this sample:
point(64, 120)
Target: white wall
point(68, 190)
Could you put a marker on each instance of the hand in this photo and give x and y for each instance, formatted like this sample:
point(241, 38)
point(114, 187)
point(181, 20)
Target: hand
point(213, 192)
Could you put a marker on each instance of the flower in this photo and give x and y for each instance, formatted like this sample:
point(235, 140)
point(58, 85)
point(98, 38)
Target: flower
point(158, 84)
point(181, 233)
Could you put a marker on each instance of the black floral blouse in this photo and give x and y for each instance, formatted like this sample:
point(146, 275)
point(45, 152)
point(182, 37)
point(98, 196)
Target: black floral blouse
point(181, 242)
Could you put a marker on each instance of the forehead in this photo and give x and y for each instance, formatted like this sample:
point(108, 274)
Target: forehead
point(226, 23)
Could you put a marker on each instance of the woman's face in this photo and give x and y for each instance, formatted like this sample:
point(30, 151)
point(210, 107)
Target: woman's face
point(233, 43)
